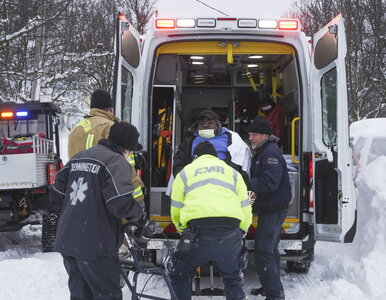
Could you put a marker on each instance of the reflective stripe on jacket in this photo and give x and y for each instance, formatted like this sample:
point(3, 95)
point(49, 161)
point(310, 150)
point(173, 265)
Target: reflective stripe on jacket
point(90, 131)
point(208, 187)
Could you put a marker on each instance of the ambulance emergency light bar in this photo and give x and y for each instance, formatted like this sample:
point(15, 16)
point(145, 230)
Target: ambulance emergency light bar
point(241, 23)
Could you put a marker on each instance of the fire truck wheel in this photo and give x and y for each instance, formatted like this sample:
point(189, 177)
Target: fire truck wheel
point(49, 231)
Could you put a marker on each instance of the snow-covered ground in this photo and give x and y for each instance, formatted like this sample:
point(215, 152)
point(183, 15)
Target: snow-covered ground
point(339, 272)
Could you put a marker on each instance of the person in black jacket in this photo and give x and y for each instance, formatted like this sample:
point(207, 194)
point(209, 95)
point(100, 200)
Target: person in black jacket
point(270, 181)
point(228, 144)
point(93, 193)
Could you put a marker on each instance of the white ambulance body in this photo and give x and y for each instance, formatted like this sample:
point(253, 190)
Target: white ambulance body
point(239, 68)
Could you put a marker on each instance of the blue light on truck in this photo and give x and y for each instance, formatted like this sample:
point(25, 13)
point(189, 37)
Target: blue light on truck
point(22, 114)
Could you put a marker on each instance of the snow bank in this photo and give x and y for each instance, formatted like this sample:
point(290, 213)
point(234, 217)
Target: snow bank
point(371, 232)
point(39, 277)
point(356, 270)
point(20, 244)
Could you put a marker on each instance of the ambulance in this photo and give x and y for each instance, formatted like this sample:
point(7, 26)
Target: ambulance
point(241, 68)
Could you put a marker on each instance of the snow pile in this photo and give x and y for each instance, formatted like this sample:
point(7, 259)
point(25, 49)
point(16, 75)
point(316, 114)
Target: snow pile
point(39, 277)
point(372, 237)
point(12, 244)
point(356, 271)
point(25, 273)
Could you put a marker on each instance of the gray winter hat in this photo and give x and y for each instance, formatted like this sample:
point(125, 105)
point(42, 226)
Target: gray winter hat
point(260, 125)
point(208, 113)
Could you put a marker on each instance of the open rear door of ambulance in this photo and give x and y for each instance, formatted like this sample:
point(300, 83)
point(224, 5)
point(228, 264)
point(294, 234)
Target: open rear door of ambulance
point(127, 76)
point(333, 191)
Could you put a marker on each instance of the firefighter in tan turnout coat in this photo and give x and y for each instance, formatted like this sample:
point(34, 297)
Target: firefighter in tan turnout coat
point(96, 126)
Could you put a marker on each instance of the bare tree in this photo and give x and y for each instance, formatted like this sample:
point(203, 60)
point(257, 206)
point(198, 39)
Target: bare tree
point(65, 47)
point(21, 31)
point(139, 12)
point(365, 28)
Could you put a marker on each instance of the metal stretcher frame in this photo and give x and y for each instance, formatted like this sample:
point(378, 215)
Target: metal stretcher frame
point(138, 267)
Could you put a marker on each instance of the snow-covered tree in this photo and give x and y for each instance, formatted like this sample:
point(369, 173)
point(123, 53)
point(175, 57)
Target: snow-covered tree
point(64, 48)
point(365, 29)
point(24, 24)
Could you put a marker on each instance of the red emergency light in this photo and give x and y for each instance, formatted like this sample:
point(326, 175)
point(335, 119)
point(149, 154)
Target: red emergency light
point(288, 25)
point(7, 114)
point(226, 19)
point(310, 169)
point(310, 176)
point(165, 23)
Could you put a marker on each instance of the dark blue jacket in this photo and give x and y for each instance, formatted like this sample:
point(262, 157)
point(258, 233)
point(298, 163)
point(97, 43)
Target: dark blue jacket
point(94, 191)
point(269, 179)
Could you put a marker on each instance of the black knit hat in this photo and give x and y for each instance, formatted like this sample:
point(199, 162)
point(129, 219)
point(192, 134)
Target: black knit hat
point(260, 125)
point(204, 147)
point(208, 113)
point(101, 99)
point(125, 135)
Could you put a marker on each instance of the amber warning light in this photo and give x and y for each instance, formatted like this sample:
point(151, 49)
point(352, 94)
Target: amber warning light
point(7, 114)
point(288, 24)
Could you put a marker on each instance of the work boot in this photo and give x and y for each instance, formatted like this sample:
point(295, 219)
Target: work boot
point(258, 291)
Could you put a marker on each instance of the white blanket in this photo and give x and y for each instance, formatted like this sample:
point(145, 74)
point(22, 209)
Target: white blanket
point(240, 152)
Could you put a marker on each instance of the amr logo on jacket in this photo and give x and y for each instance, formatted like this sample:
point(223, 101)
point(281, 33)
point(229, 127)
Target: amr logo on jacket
point(78, 191)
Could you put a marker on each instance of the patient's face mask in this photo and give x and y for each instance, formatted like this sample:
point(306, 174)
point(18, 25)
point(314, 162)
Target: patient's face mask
point(206, 133)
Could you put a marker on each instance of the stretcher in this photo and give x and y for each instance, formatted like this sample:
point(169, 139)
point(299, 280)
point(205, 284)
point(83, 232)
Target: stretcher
point(134, 265)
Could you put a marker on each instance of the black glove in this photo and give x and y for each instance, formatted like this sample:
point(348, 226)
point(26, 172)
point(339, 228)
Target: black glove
point(141, 224)
point(141, 231)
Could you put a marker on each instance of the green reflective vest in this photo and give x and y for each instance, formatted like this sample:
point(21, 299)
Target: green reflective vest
point(208, 187)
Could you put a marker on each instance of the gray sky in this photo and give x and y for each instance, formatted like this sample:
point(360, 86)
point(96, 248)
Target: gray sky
point(234, 8)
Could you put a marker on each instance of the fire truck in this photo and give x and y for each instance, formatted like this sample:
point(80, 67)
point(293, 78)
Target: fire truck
point(29, 161)
point(241, 68)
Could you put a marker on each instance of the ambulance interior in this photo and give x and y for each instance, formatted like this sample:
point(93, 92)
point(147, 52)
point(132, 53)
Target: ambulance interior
point(238, 88)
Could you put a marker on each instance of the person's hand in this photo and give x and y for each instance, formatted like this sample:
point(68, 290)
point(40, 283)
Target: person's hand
point(251, 197)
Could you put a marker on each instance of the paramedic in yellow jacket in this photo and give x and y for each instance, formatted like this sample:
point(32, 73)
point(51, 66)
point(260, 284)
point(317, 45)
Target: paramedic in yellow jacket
point(209, 204)
point(96, 126)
